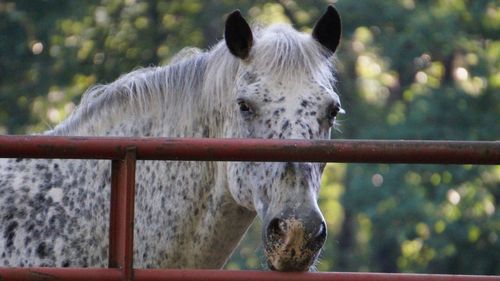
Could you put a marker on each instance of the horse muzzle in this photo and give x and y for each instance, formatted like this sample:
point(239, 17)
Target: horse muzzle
point(293, 243)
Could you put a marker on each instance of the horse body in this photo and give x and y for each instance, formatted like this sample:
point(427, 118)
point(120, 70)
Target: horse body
point(276, 83)
point(183, 208)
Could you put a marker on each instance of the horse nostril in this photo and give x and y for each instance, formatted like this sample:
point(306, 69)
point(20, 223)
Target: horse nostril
point(321, 231)
point(276, 227)
point(319, 237)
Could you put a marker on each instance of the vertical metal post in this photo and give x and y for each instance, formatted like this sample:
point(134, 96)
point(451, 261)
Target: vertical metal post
point(121, 227)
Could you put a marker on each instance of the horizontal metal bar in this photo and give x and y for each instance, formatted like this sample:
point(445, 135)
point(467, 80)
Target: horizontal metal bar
point(247, 275)
point(60, 274)
point(270, 150)
point(97, 274)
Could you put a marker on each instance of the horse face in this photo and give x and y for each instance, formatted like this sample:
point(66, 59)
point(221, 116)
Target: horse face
point(283, 194)
point(282, 103)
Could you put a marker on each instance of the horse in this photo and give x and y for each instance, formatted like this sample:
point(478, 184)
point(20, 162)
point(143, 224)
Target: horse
point(258, 82)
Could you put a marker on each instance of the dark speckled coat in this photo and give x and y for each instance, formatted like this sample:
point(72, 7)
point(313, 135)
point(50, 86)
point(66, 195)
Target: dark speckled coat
point(188, 214)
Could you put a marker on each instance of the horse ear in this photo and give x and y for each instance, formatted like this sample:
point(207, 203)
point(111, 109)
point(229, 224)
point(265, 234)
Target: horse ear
point(238, 35)
point(328, 29)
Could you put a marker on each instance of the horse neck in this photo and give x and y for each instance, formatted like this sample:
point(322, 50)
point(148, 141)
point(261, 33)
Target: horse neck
point(197, 109)
point(220, 226)
point(179, 100)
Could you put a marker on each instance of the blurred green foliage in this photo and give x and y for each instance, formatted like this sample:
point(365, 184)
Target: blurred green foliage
point(407, 69)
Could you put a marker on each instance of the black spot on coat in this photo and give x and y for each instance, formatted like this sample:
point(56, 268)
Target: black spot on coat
point(10, 233)
point(43, 250)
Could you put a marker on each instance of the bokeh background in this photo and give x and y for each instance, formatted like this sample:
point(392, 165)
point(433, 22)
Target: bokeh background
point(407, 69)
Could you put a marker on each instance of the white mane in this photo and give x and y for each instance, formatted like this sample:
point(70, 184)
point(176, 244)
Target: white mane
point(197, 81)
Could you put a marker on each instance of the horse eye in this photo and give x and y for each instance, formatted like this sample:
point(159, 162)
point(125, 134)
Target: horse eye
point(245, 109)
point(333, 110)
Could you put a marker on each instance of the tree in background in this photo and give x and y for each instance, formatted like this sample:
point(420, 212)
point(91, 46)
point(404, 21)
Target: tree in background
point(421, 70)
point(407, 70)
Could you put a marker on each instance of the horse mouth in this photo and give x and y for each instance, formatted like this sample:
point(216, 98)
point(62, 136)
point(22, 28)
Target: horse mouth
point(289, 266)
point(289, 248)
point(289, 261)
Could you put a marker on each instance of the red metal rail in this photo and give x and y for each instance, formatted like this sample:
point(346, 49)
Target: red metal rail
point(125, 151)
point(121, 225)
point(274, 150)
point(96, 274)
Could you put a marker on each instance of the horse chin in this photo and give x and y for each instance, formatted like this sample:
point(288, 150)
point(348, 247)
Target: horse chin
point(288, 263)
point(289, 266)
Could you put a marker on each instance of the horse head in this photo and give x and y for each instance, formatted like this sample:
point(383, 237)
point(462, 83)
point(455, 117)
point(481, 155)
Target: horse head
point(284, 89)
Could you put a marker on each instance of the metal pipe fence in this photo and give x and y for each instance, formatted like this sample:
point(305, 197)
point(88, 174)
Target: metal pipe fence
point(268, 150)
point(123, 152)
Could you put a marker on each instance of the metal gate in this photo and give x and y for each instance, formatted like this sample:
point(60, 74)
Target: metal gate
point(123, 152)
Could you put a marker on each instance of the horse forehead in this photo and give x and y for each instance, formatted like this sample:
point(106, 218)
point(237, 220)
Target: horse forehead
point(297, 92)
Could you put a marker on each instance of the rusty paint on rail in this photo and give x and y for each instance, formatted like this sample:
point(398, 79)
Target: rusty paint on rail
point(98, 274)
point(60, 274)
point(268, 150)
point(125, 151)
point(121, 225)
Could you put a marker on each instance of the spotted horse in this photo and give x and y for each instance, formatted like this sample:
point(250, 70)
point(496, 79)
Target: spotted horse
point(262, 82)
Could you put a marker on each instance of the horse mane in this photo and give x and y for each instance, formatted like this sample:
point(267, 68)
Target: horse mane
point(287, 54)
point(195, 77)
